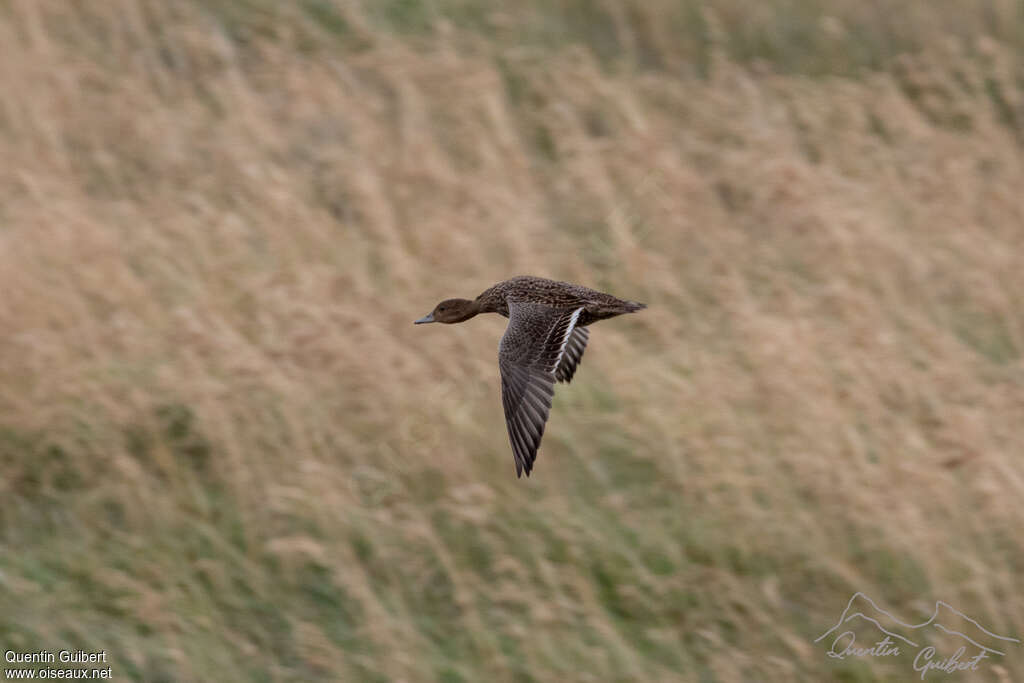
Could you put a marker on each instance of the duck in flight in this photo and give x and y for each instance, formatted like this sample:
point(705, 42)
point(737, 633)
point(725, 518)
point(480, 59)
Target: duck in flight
point(543, 343)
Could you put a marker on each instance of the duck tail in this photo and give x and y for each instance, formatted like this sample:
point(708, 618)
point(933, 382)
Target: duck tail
point(614, 307)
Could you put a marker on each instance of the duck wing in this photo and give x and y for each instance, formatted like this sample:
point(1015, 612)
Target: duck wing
point(529, 354)
point(573, 354)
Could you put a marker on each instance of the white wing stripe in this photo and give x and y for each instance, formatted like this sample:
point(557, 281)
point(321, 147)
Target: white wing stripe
point(568, 333)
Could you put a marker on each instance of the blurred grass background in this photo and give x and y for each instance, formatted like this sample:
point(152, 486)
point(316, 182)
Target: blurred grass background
point(226, 454)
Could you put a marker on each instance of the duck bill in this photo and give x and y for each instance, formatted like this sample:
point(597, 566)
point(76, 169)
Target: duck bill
point(428, 318)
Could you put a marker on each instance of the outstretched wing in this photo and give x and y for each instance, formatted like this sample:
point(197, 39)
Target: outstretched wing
point(573, 354)
point(528, 356)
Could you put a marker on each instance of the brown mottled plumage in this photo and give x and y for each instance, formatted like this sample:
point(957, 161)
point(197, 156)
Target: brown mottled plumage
point(543, 343)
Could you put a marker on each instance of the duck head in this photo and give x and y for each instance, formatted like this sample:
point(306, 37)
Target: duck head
point(451, 311)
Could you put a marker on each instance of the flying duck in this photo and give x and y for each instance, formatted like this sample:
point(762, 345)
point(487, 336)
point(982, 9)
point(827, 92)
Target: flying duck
point(543, 343)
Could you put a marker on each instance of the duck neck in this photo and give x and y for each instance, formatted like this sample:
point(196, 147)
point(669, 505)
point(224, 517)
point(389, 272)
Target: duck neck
point(483, 304)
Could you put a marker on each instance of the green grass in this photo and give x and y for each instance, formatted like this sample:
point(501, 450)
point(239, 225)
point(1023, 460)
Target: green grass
point(226, 454)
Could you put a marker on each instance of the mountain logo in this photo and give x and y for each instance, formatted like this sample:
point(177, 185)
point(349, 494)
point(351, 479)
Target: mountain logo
point(948, 625)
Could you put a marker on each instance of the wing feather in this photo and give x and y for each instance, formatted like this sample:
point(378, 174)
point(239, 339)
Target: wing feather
point(573, 354)
point(537, 341)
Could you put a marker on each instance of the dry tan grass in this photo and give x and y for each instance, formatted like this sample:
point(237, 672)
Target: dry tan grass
point(228, 455)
